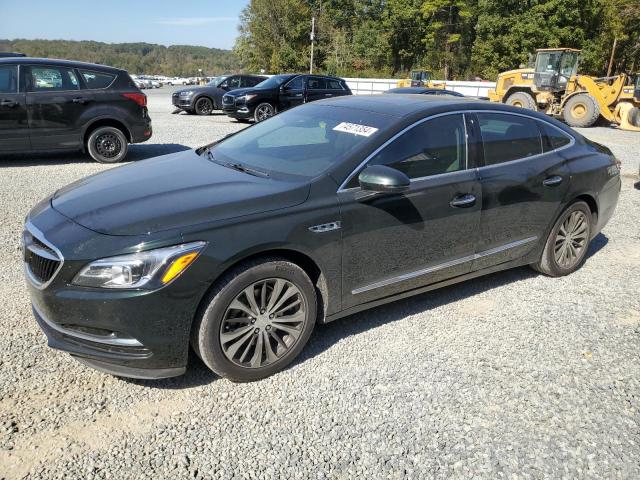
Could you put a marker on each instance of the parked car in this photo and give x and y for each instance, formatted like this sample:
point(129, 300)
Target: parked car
point(11, 54)
point(50, 105)
point(334, 207)
point(279, 93)
point(425, 91)
point(204, 100)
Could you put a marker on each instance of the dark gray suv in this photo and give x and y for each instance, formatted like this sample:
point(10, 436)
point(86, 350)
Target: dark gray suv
point(50, 105)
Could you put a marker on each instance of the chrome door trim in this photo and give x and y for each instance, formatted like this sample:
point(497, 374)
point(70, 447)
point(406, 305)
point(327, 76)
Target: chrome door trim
point(441, 266)
point(571, 143)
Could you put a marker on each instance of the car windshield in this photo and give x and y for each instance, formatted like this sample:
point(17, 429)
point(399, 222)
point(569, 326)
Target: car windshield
point(301, 142)
point(273, 82)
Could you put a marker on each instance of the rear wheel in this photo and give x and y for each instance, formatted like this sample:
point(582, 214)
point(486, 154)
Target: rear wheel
point(521, 100)
point(256, 321)
point(263, 111)
point(581, 110)
point(568, 242)
point(107, 145)
point(634, 116)
point(204, 106)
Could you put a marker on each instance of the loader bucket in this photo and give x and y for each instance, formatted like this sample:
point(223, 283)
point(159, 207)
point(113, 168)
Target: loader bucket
point(627, 116)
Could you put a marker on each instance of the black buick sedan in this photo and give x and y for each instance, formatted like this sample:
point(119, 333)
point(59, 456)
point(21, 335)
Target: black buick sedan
point(239, 248)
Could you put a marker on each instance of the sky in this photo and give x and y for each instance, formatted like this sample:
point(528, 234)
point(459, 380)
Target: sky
point(210, 23)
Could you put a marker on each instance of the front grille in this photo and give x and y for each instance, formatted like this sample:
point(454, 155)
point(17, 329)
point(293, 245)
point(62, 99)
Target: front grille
point(227, 100)
point(42, 261)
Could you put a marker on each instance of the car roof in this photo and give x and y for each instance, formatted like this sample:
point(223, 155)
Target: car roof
point(57, 62)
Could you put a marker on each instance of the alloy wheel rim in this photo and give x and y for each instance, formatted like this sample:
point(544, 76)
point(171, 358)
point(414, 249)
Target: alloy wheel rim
point(264, 112)
point(571, 240)
point(263, 323)
point(204, 105)
point(108, 145)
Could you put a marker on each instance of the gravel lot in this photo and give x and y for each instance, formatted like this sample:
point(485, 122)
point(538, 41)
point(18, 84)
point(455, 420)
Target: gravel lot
point(514, 375)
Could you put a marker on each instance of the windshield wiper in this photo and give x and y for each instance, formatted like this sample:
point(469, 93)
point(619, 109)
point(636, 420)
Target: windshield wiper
point(245, 169)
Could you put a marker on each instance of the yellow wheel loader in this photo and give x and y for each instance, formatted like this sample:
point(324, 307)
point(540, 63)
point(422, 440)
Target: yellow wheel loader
point(420, 78)
point(554, 86)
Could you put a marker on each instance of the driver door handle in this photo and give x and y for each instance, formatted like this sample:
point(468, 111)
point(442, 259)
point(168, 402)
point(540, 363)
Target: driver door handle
point(463, 201)
point(8, 103)
point(552, 181)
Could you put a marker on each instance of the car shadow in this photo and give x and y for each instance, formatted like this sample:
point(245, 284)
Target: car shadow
point(136, 152)
point(326, 335)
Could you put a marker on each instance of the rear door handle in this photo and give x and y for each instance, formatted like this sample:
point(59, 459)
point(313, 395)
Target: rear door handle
point(80, 100)
point(8, 103)
point(552, 181)
point(463, 201)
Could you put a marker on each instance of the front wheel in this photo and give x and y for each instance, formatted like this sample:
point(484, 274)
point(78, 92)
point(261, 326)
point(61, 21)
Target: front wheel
point(107, 145)
point(263, 111)
point(204, 106)
point(256, 321)
point(568, 242)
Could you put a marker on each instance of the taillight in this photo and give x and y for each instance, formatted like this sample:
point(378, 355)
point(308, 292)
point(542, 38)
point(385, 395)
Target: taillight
point(139, 98)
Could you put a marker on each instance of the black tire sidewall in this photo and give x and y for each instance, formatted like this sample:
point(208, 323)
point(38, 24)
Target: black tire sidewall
point(207, 328)
point(550, 266)
point(198, 100)
point(100, 131)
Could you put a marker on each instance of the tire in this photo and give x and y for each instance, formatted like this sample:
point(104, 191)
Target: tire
point(107, 145)
point(203, 106)
point(551, 262)
point(522, 100)
point(634, 117)
point(581, 111)
point(237, 358)
point(263, 111)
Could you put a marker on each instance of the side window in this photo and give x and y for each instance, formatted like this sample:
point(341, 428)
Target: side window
point(508, 137)
point(333, 85)
point(233, 82)
point(316, 83)
point(295, 84)
point(95, 80)
point(8, 79)
point(553, 137)
point(430, 148)
point(51, 79)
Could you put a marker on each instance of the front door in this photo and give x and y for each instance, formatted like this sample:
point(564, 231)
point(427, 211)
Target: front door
point(14, 128)
point(524, 180)
point(395, 243)
point(55, 107)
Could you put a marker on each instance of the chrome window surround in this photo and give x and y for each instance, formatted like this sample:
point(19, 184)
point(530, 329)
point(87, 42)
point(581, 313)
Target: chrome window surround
point(441, 266)
point(343, 188)
point(33, 230)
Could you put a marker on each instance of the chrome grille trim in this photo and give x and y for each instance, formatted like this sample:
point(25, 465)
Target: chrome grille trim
point(44, 249)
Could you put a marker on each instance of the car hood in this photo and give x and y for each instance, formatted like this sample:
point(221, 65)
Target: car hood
point(202, 88)
point(241, 91)
point(168, 192)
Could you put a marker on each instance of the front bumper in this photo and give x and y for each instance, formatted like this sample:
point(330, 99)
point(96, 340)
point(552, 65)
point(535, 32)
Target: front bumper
point(241, 113)
point(182, 102)
point(131, 333)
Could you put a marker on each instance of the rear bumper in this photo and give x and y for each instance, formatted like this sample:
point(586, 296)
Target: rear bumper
point(142, 131)
point(607, 202)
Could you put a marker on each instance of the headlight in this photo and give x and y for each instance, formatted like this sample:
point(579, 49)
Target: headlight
point(186, 93)
point(147, 270)
point(248, 98)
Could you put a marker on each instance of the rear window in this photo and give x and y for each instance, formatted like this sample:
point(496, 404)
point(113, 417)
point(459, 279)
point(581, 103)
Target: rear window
point(316, 83)
point(97, 79)
point(508, 137)
point(553, 137)
point(8, 79)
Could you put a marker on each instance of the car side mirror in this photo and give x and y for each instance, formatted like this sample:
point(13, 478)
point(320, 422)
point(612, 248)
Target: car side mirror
point(383, 179)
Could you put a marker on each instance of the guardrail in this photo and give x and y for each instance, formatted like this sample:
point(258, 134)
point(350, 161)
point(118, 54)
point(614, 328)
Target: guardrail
point(372, 86)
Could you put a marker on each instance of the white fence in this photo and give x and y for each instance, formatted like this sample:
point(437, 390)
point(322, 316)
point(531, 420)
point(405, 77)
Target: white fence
point(370, 86)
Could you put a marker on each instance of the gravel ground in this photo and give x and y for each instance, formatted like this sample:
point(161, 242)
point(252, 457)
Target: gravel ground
point(514, 375)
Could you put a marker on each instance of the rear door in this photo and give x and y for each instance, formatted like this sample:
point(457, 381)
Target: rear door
point(55, 106)
point(317, 88)
point(524, 180)
point(14, 127)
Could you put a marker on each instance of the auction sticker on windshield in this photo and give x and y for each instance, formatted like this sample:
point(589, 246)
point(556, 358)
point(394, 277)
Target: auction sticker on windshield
point(356, 129)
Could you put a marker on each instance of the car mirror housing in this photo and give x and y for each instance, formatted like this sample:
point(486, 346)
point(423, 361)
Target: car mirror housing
point(383, 179)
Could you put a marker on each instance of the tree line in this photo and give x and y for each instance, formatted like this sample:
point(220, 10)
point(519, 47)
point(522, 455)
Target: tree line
point(455, 39)
point(139, 58)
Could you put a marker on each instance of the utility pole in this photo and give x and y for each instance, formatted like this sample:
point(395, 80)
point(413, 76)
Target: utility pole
point(313, 37)
point(613, 52)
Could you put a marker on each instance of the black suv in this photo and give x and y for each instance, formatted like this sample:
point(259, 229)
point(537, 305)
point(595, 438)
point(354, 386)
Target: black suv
point(50, 104)
point(281, 92)
point(203, 100)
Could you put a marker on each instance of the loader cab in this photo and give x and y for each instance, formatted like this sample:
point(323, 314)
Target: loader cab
point(554, 68)
point(419, 78)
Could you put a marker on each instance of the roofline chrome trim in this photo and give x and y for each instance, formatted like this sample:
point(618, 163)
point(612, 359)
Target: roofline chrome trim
point(441, 266)
point(463, 112)
point(33, 230)
point(115, 341)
